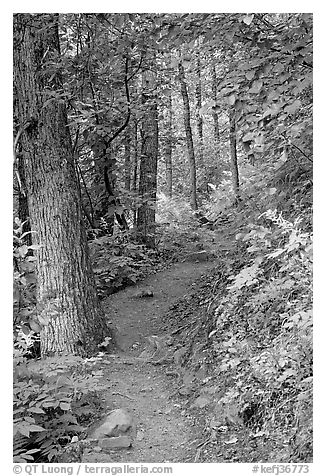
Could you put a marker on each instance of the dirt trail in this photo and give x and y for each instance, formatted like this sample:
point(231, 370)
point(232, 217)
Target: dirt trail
point(163, 432)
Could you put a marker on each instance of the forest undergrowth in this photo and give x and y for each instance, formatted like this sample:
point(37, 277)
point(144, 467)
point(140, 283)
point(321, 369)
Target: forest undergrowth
point(163, 221)
point(241, 339)
point(246, 335)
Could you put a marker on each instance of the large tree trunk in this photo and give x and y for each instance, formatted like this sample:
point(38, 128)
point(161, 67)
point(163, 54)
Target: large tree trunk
point(148, 159)
point(233, 153)
point(190, 144)
point(69, 312)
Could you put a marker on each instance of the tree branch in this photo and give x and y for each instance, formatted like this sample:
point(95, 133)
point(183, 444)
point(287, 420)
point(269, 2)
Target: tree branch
point(303, 153)
point(128, 106)
point(135, 72)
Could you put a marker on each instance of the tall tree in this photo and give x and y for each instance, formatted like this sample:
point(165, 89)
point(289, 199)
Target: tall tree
point(199, 119)
point(233, 153)
point(134, 183)
point(189, 139)
point(149, 154)
point(69, 312)
point(168, 144)
point(127, 159)
point(215, 111)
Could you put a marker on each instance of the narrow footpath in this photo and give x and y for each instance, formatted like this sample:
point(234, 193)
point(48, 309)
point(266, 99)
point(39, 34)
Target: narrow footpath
point(162, 431)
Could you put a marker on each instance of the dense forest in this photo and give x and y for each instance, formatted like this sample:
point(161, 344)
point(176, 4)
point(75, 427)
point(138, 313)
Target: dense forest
point(163, 214)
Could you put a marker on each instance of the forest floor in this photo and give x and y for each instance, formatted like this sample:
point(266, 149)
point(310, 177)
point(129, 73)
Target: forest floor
point(138, 378)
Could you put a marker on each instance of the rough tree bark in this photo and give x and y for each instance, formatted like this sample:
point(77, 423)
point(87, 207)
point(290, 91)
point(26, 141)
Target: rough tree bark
point(148, 158)
point(69, 312)
point(233, 153)
point(190, 144)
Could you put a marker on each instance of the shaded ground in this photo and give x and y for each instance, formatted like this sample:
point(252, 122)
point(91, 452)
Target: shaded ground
point(163, 431)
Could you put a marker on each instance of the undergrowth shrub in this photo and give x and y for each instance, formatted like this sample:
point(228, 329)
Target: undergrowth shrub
point(53, 401)
point(262, 337)
point(119, 261)
point(24, 279)
point(180, 231)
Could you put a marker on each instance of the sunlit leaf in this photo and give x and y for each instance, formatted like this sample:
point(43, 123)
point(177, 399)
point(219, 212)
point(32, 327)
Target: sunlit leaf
point(248, 19)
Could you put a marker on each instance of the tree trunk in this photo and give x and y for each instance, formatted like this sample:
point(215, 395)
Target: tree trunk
point(215, 111)
point(105, 208)
point(168, 146)
point(190, 144)
point(135, 172)
point(69, 312)
point(233, 153)
point(23, 211)
point(127, 159)
point(199, 119)
point(148, 159)
point(19, 168)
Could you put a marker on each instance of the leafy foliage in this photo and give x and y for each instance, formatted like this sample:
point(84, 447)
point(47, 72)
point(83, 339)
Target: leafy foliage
point(253, 318)
point(24, 276)
point(53, 400)
point(259, 341)
point(119, 262)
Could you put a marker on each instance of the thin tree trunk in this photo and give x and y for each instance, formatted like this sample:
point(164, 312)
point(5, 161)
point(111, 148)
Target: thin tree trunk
point(233, 153)
point(127, 159)
point(148, 159)
point(168, 146)
point(215, 111)
point(104, 166)
point(23, 211)
point(135, 172)
point(190, 144)
point(69, 312)
point(199, 119)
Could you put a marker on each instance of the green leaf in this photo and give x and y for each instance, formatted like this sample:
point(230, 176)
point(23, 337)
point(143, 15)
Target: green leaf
point(24, 430)
point(23, 250)
point(36, 428)
point(36, 410)
point(292, 108)
point(247, 19)
point(256, 86)
point(32, 451)
point(248, 137)
point(250, 75)
point(34, 326)
point(231, 99)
